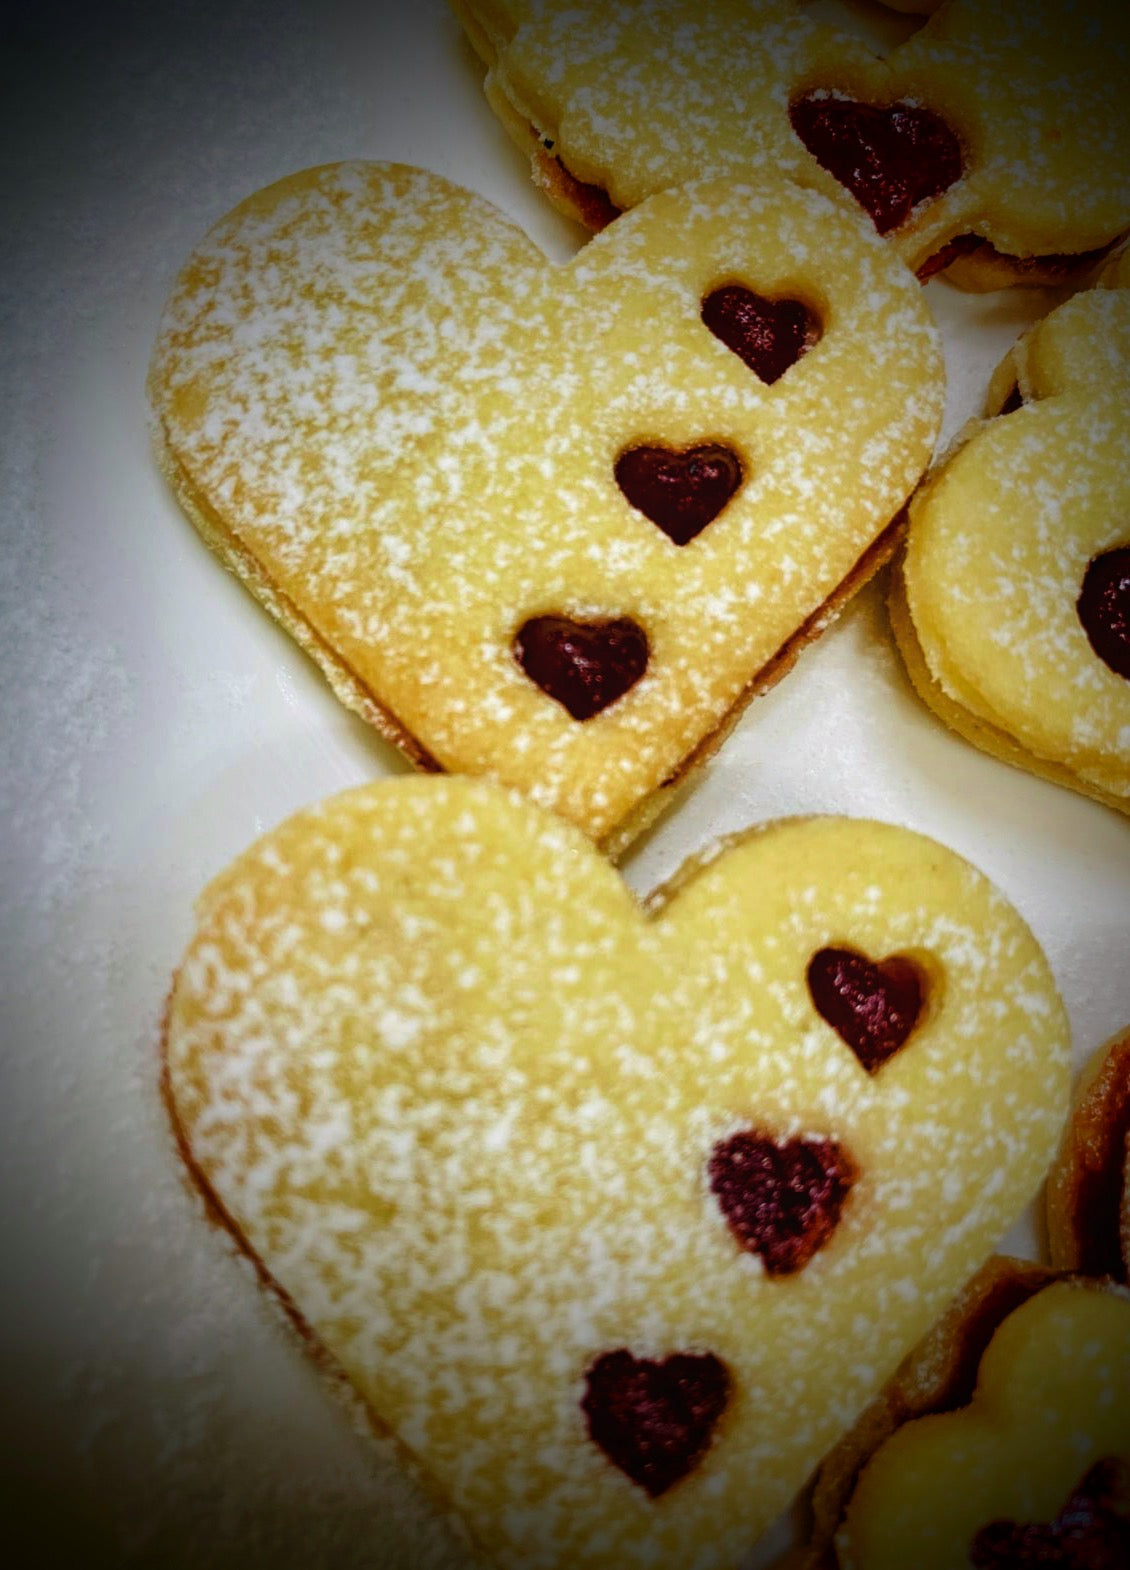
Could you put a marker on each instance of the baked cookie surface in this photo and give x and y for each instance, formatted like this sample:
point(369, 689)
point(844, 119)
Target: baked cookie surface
point(1005, 124)
point(542, 523)
point(1089, 1184)
point(615, 1216)
point(1012, 609)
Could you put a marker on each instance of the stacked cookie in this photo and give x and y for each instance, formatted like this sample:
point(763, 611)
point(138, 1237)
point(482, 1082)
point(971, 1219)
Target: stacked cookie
point(617, 1215)
point(1012, 604)
point(1004, 1440)
point(992, 142)
point(565, 570)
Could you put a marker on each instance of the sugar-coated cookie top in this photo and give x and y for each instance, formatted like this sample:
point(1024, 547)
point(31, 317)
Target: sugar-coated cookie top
point(1049, 1428)
point(496, 1129)
point(374, 388)
point(1008, 534)
point(637, 95)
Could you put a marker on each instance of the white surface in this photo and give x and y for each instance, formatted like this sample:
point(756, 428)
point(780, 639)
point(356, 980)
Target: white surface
point(157, 1412)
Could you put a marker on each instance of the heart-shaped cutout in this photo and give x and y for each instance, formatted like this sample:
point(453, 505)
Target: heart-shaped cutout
point(680, 491)
point(399, 425)
point(654, 1420)
point(767, 335)
point(782, 1198)
point(458, 1093)
point(1104, 608)
point(889, 157)
point(584, 665)
point(873, 1007)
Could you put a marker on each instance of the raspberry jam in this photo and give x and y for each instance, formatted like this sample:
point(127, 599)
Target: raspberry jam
point(890, 159)
point(768, 335)
point(782, 1200)
point(1091, 1532)
point(872, 1007)
point(584, 665)
point(655, 1420)
point(1103, 607)
point(681, 492)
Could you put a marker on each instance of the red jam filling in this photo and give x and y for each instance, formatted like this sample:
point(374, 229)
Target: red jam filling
point(769, 335)
point(960, 245)
point(681, 492)
point(890, 159)
point(1104, 608)
point(593, 203)
point(782, 1200)
point(584, 665)
point(655, 1420)
point(872, 1007)
point(1091, 1532)
point(1060, 266)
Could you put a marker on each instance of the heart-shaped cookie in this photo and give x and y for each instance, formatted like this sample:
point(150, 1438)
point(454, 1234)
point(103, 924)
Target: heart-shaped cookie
point(404, 430)
point(1012, 610)
point(994, 140)
point(1035, 1471)
point(519, 1152)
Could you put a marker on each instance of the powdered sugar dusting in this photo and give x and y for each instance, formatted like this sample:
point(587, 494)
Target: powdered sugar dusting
point(385, 410)
point(470, 1208)
point(1001, 540)
point(641, 94)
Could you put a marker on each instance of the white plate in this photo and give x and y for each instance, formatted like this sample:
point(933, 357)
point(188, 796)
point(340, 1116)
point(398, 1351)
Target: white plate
point(157, 1409)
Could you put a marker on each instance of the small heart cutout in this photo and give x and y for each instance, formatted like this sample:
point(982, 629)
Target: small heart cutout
point(768, 335)
point(872, 1007)
point(782, 1200)
point(1091, 1532)
point(681, 492)
point(584, 665)
point(655, 1420)
point(1104, 609)
point(890, 159)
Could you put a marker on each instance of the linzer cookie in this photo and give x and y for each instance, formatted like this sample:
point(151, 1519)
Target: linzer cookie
point(1089, 1185)
point(1022, 1458)
point(1013, 607)
point(994, 141)
point(555, 525)
point(614, 1215)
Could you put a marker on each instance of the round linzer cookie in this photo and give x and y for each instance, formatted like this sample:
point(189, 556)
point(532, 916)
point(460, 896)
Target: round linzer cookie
point(555, 525)
point(1089, 1184)
point(615, 1215)
point(993, 142)
point(1012, 609)
point(1002, 1444)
